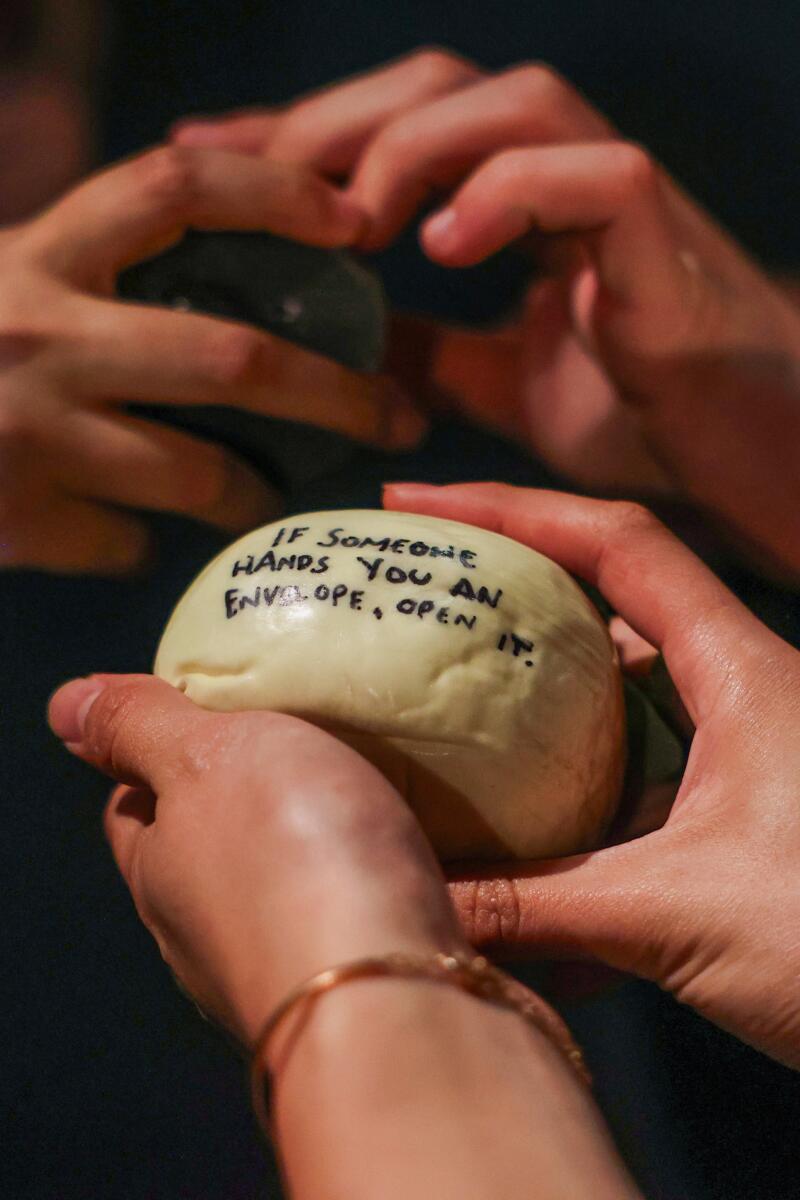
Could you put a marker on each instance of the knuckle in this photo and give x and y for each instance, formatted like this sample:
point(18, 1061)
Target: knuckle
point(490, 910)
point(538, 84)
point(629, 518)
point(307, 193)
point(397, 139)
point(233, 356)
point(497, 491)
point(298, 125)
point(439, 66)
point(303, 129)
point(503, 168)
point(167, 178)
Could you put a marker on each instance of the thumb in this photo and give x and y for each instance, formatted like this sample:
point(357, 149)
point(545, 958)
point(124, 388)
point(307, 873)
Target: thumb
point(619, 906)
point(136, 728)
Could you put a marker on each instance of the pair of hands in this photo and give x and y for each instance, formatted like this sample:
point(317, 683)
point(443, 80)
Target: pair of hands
point(259, 850)
point(655, 355)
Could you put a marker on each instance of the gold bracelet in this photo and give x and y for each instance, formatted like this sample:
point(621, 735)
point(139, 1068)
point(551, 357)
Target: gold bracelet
point(473, 974)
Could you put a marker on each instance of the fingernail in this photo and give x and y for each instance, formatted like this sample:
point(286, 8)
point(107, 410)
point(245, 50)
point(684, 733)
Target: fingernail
point(407, 425)
point(440, 232)
point(70, 706)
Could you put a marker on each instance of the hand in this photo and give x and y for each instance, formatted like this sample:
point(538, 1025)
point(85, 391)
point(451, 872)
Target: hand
point(71, 459)
point(260, 851)
point(654, 356)
point(256, 847)
point(708, 906)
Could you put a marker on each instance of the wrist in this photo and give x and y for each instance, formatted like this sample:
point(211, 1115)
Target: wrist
point(269, 978)
point(370, 1016)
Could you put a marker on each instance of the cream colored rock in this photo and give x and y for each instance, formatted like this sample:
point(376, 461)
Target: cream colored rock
point(471, 669)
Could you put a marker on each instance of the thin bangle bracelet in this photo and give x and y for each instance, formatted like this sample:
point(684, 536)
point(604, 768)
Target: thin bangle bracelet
point(473, 974)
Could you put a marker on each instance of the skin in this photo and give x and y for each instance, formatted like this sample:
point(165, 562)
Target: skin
point(259, 851)
point(73, 462)
point(45, 140)
point(653, 356)
point(708, 905)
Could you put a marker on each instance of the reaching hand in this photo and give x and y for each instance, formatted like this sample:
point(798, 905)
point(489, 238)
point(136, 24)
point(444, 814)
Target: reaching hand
point(654, 355)
point(708, 906)
point(72, 460)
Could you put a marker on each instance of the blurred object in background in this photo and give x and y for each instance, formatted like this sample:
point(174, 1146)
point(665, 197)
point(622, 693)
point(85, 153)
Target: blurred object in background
point(49, 51)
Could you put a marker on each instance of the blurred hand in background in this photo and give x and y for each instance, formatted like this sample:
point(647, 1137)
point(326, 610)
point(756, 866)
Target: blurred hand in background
point(653, 356)
point(73, 460)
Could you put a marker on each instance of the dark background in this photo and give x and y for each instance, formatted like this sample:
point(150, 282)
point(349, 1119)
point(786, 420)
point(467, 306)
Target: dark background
point(112, 1086)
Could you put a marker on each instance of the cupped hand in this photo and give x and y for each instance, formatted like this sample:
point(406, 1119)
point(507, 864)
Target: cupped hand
point(258, 849)
point(73, 461)
point(655, 355)
point(708, 906)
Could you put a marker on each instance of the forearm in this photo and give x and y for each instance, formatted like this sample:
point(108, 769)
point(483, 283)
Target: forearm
point(405, 1088)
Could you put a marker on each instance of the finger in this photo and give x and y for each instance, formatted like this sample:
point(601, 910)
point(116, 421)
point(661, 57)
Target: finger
point(620, 906)
point(135, 728)
point(128, 813)
point(661, 589)
point(143, 205)
point(73, 536)
point(447, 367)
point(136, 353)
point(328, 129)
point(570, 407)
point(245, 132)
point(610, 191)
point(434, 145)
point(144, 465)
